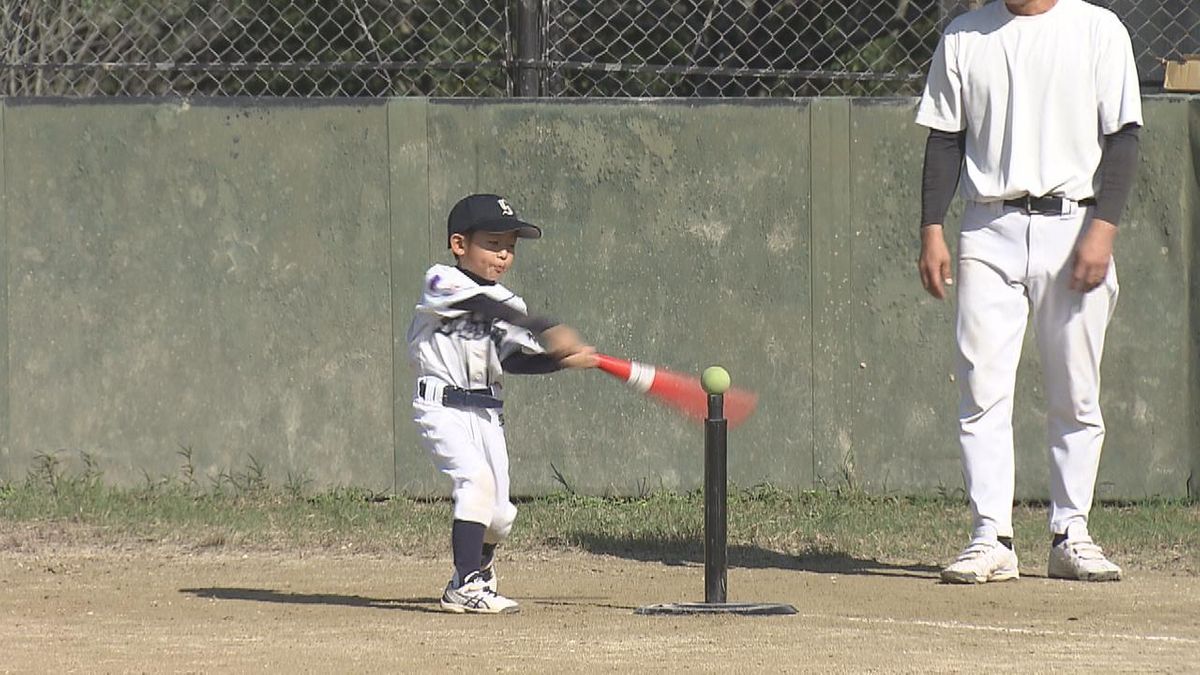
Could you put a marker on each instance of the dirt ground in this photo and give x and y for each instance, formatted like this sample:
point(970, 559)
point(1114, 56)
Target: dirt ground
point(152, 608)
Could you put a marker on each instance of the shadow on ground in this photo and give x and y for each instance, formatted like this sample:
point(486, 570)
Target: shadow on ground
point(268, 595)
point(430, 605)
point(675, 552)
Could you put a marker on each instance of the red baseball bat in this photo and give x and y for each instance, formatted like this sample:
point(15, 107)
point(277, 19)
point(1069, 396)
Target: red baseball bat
point(682, 392)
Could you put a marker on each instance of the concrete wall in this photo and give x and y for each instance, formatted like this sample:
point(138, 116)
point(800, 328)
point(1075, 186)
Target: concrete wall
point(237, 277)
point(204, 277)
point(1191, 235)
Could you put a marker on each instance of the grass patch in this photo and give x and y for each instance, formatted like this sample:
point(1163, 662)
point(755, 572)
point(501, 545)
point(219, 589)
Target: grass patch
point(825, 530)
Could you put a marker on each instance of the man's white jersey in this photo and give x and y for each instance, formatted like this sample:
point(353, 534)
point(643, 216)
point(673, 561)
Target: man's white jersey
point(455, 346)
point(1035, 95)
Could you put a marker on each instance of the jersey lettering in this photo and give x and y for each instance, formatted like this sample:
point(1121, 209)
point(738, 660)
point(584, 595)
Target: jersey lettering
point(469, 328)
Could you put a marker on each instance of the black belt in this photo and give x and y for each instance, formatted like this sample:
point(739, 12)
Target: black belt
point(1049, 205)
point(457, 397)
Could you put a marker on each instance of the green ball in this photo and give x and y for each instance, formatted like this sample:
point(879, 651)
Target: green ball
point(715, 380)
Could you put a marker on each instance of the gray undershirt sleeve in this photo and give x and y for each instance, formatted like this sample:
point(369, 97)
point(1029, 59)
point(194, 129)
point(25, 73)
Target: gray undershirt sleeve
point(518, 363)
point(521, 363)
point(493, 309)
point(1118, 164)
point(944, 152)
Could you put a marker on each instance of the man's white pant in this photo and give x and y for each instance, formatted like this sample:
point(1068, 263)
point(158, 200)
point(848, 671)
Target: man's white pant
point(1012, 266)
point(468, 446)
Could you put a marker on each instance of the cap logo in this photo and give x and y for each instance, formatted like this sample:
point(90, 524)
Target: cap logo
point(505, 208)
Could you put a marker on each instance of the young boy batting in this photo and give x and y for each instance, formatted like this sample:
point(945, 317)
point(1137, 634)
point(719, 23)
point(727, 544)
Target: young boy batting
point(468, 331)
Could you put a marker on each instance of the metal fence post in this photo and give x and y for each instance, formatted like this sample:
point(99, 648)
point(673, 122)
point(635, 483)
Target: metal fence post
point(529, 47)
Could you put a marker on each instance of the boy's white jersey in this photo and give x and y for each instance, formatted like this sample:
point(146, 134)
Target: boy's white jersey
point(455, 346)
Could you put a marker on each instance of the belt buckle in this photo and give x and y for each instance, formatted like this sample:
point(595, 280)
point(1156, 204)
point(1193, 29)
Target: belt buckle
point(1056, 207)
point(1029, 204)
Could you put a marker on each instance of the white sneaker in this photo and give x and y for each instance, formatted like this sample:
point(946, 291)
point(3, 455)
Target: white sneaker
point(474, 596)
point(983, 560)
point(1078, 557)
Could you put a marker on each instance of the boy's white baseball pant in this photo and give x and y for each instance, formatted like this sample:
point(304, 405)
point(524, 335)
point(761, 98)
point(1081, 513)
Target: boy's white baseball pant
point(468, 445)
point(1014, 265)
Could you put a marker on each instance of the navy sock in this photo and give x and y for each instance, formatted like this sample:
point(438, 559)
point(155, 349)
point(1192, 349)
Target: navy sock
point(489, 553)
point(1007, 541)
point(1058, 539)
point(466, 540)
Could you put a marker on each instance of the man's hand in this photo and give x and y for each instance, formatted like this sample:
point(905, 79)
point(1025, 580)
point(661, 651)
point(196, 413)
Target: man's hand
point(1093, 254)
point(934, 263)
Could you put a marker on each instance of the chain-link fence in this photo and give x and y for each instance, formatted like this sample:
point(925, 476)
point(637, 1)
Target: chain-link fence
point(721, 48)
point(738, 48)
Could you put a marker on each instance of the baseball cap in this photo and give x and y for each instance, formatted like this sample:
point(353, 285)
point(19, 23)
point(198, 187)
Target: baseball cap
point(488, 213)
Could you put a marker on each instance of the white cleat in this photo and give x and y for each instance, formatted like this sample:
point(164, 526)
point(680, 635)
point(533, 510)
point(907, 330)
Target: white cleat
point(983, 560)
point(475, 597)
point(1079, 558)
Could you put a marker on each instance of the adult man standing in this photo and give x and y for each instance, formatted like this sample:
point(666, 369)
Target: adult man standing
point(1041, 97)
